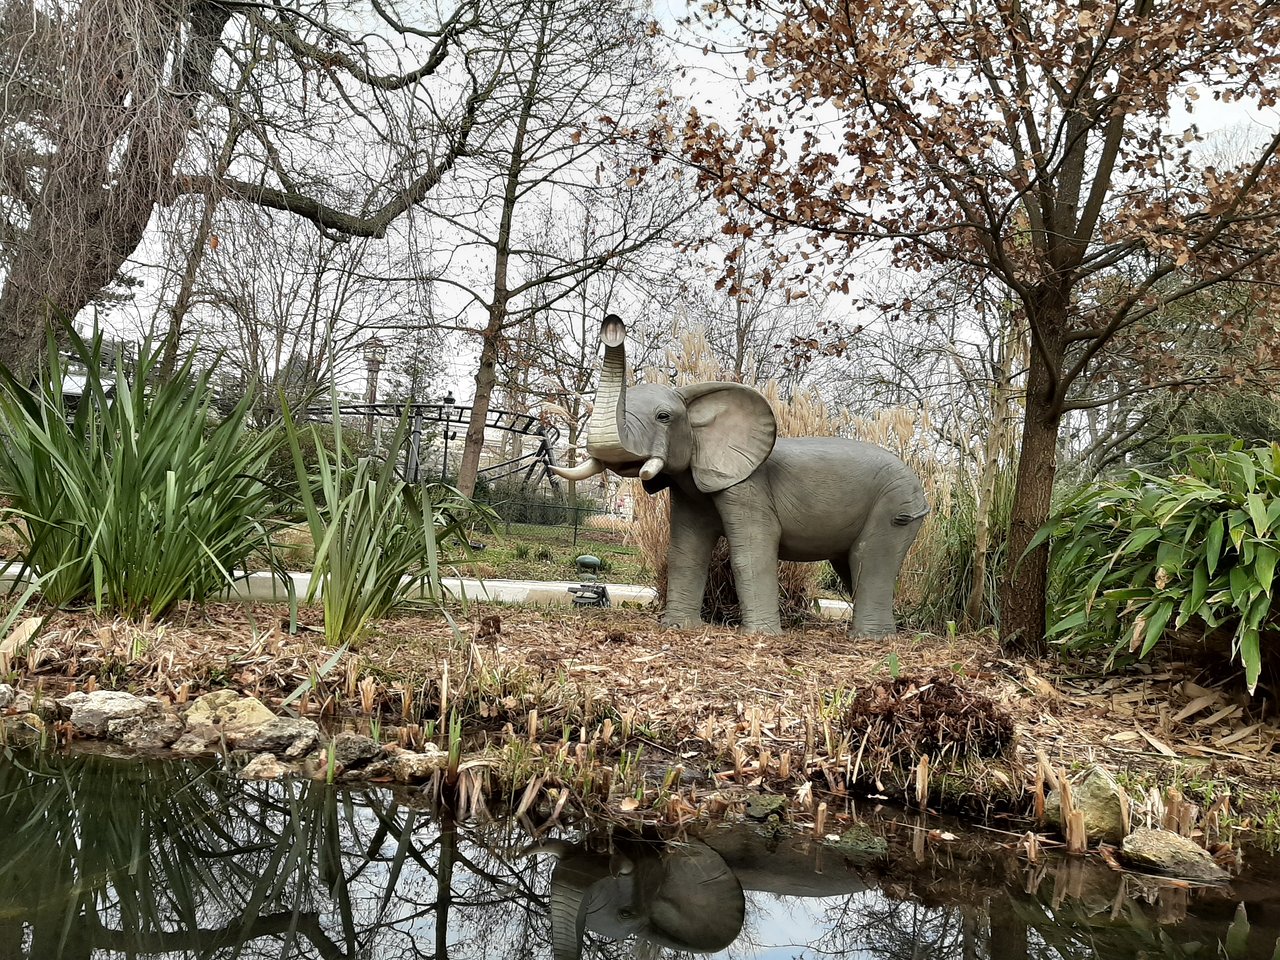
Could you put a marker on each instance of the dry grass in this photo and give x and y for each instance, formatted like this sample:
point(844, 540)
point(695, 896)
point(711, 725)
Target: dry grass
point(909, 435)
point(546, 701)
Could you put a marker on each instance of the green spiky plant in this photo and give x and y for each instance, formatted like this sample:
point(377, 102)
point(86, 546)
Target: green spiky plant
point(138, 495)
point(378, 539)
point(1134, 557)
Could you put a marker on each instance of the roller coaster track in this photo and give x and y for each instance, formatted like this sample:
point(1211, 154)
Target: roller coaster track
point(536, 464)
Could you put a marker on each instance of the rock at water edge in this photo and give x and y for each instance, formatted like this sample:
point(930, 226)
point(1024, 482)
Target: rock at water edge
point(354, 749)
point(92, 712)
point(410, 767)
point(1099, 797)
point(1167, 853)
point(265, 766)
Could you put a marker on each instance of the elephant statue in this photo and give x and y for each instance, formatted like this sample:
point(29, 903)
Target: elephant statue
point(715, 446)
point(682, 896)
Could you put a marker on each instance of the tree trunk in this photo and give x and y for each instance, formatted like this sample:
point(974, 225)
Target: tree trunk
point(81, 232)
point(487, 375)
point(1024, 589)
point(486, 378)
point(1008, 936)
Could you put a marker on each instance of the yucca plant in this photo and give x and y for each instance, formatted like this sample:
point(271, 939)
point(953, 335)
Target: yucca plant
point(1134, 557)
point(377, 538)
point(136, 496)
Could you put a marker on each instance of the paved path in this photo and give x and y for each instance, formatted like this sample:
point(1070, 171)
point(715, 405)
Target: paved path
point(262, 586)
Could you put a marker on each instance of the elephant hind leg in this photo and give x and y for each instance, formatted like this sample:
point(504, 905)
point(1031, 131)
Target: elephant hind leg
point(874, 562)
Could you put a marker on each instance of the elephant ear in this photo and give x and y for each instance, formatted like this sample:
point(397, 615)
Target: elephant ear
point(733, 432)
point(699, 905)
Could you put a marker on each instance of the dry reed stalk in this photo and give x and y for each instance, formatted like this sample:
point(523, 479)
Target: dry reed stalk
point(368, 695)
point(820, 821)
point(922, 782)
point(444, 689)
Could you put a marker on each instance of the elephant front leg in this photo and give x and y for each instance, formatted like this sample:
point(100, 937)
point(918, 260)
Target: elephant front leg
point(695, 528)
point(754, 533)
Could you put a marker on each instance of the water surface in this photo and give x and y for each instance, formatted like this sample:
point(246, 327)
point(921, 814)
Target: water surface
point(103, 858)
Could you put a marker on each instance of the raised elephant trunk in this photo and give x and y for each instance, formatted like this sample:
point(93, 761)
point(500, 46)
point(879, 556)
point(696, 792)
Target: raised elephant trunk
point(604, 429)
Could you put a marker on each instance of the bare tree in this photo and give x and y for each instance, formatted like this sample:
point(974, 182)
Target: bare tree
point(577, 79)
point(325, 113)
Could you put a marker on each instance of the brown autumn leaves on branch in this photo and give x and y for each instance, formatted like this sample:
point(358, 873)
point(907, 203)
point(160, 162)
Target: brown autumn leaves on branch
point(1037, 144)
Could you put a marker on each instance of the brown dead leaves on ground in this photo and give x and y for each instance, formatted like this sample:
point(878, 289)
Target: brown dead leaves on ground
point(711, 693)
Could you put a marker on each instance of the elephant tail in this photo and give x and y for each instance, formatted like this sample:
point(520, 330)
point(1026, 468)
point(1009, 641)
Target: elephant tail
point(902, 519)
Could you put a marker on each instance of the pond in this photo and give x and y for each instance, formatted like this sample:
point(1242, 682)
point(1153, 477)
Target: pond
point(106, 858)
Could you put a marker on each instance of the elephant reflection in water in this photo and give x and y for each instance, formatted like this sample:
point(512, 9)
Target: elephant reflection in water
point(683, 896)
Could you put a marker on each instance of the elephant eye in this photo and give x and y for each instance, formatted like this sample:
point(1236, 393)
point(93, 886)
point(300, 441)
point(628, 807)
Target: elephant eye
point(664, 417)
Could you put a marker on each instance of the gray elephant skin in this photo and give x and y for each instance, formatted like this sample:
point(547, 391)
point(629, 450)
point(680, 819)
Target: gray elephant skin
point(682, 896)
point(715, 446)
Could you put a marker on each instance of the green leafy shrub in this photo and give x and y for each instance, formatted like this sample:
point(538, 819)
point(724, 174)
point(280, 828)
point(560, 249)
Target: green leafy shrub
point(1133, 557)
point(136, 496)
point(378, 539)
point(282, 476)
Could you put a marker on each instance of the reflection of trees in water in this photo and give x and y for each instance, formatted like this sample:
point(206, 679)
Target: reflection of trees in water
point(112, 858)
point(108, 859)
point(872, 925)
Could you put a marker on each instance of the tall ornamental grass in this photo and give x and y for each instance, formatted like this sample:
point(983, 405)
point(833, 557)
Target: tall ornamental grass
point(136, 496)
point(1136, 557)
point(378, 539)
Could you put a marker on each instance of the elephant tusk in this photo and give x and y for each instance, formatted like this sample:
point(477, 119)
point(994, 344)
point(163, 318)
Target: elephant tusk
point(588, 468)
point(652, 467)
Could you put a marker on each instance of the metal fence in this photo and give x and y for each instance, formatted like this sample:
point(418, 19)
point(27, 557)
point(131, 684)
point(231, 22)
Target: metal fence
point(588, 518)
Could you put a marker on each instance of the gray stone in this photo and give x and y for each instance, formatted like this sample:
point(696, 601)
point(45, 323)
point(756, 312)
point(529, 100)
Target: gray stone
point(265, 766)
point(148, 732)
point(283, 735)
point(228, 709)
point(763, 806)
point(410, 767)
point(1098, 796)
point(22, 702)
point(244, 723)
point(378, 770)
point(354, 749)
point(90, 713)
point(22, 729)
point(197, 742)
point(7, 696)
point(862, 843)
point(1167, 853)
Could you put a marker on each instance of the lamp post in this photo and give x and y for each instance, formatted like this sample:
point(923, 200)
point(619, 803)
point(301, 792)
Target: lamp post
point(375, 351)
point(448, 405)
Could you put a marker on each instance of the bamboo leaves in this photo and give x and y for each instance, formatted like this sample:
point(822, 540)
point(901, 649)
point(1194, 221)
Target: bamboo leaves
point(1133, 557)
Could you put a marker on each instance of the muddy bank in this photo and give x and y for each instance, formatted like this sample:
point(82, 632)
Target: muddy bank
point(607, 712)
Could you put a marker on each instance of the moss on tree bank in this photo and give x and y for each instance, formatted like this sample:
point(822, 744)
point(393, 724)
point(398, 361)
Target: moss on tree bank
point(607, 712)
